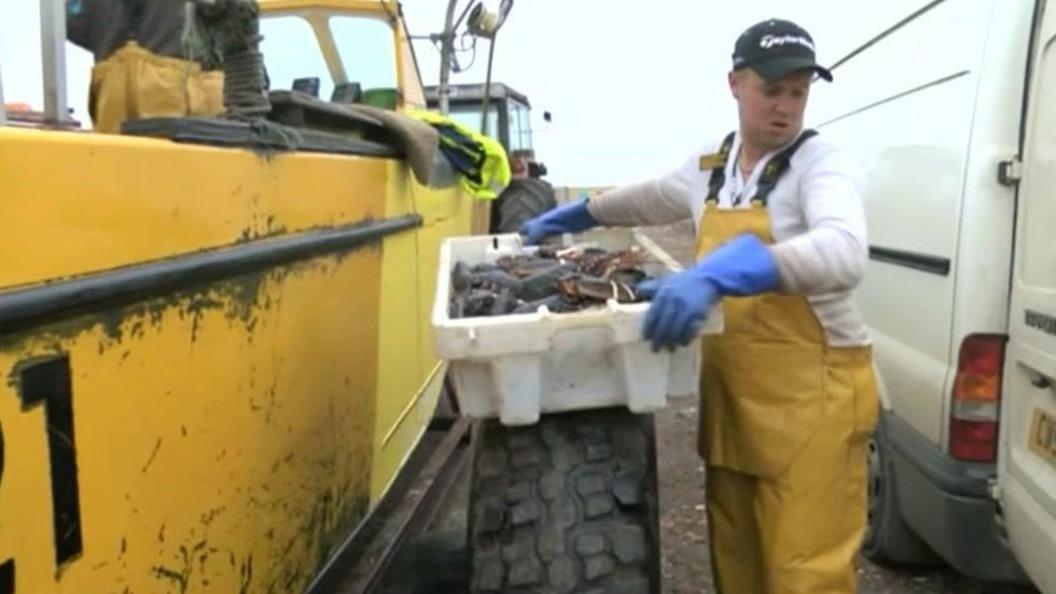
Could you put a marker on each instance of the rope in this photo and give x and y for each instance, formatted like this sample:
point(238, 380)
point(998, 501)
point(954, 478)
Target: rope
point(197, 45)
point(244, 95)
point(226, 34)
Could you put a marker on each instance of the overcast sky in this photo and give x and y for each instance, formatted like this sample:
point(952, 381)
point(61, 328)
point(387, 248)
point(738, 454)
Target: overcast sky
point(632, 90)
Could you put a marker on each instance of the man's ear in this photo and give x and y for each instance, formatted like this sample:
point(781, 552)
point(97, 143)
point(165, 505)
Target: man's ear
point(732, 79)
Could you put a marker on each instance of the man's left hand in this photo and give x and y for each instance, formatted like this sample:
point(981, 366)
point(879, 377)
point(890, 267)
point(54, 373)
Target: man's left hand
point(741, 266)
point(679, 304)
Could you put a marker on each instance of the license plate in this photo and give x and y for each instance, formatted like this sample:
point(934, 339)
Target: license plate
point(1042, 440)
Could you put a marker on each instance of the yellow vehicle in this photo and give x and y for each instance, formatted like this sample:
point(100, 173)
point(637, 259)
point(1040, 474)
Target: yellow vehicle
point(217, 357)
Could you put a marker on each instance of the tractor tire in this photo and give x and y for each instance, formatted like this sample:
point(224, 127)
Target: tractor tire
point(567, 505)
point(888, 539)
point(523, 199)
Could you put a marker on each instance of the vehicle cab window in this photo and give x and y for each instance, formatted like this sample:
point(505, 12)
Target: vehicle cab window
point(520, 126)
point(362, 50)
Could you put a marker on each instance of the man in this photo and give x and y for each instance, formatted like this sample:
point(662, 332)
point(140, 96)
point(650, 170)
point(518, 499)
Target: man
point(140, 71)
point(788, 398)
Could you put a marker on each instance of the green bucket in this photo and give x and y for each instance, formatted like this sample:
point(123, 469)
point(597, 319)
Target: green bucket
point(384, 98)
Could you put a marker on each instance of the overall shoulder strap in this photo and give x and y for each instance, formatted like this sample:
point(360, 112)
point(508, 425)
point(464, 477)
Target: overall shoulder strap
point(718, 172)
point(777, 166)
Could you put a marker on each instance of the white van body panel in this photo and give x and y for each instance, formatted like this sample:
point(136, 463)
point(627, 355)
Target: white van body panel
point(931, 107)
point(905, 107)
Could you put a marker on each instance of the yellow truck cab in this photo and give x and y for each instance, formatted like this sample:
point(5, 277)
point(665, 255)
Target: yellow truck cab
point(216, 356)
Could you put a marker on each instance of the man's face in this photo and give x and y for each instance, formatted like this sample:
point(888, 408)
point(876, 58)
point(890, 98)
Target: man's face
point(771, 112)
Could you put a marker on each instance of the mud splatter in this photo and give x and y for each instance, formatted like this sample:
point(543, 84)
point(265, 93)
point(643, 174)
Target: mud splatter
point(245, 572)
point(241, 298)
point(153, 455)
point(178, 578)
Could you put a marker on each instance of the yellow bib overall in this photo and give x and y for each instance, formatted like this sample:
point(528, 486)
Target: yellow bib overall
point(785, 420)
point(135, 83)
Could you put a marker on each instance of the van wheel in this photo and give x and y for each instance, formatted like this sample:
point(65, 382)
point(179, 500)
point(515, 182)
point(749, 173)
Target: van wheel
point(568, 504)
point(888, 539)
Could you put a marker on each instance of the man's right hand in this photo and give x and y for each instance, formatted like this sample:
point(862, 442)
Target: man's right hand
point(567, 218)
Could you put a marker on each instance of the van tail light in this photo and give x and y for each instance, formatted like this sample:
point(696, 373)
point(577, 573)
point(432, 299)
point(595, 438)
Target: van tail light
point(977, 398)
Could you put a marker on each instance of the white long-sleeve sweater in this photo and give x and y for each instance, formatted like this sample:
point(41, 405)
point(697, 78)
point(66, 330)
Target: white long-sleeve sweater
point(816, 217)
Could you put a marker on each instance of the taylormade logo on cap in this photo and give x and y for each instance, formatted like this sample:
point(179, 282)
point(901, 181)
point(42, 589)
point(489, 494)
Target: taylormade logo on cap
point(774, 48)
point(769, 41)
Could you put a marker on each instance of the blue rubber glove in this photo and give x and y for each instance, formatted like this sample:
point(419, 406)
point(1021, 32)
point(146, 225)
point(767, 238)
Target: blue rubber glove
point(741, 266)
point(567, 218)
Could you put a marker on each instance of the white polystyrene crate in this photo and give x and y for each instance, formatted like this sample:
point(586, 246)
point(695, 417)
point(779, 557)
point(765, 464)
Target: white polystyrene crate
point(516, 367)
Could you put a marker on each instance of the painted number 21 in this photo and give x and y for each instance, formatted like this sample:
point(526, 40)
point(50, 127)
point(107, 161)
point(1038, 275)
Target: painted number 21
point(47, 383)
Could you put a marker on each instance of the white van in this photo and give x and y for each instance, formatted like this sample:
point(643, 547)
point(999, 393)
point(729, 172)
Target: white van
point(952, 112)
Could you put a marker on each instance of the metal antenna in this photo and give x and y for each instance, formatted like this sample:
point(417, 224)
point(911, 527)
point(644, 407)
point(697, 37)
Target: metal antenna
point(447, 46)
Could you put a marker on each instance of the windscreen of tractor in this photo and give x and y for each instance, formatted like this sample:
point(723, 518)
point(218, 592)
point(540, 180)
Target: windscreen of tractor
point(468, 114)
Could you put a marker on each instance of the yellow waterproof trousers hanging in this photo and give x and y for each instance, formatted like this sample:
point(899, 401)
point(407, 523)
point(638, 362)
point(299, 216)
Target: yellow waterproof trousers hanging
point(785, 420)
point(136, 83)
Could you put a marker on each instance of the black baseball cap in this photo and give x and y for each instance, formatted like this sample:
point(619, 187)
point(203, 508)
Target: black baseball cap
point(774, 48)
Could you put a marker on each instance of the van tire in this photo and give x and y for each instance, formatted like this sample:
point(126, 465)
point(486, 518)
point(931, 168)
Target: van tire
point(523, 199)
point(566, 505)
point(888, 539)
